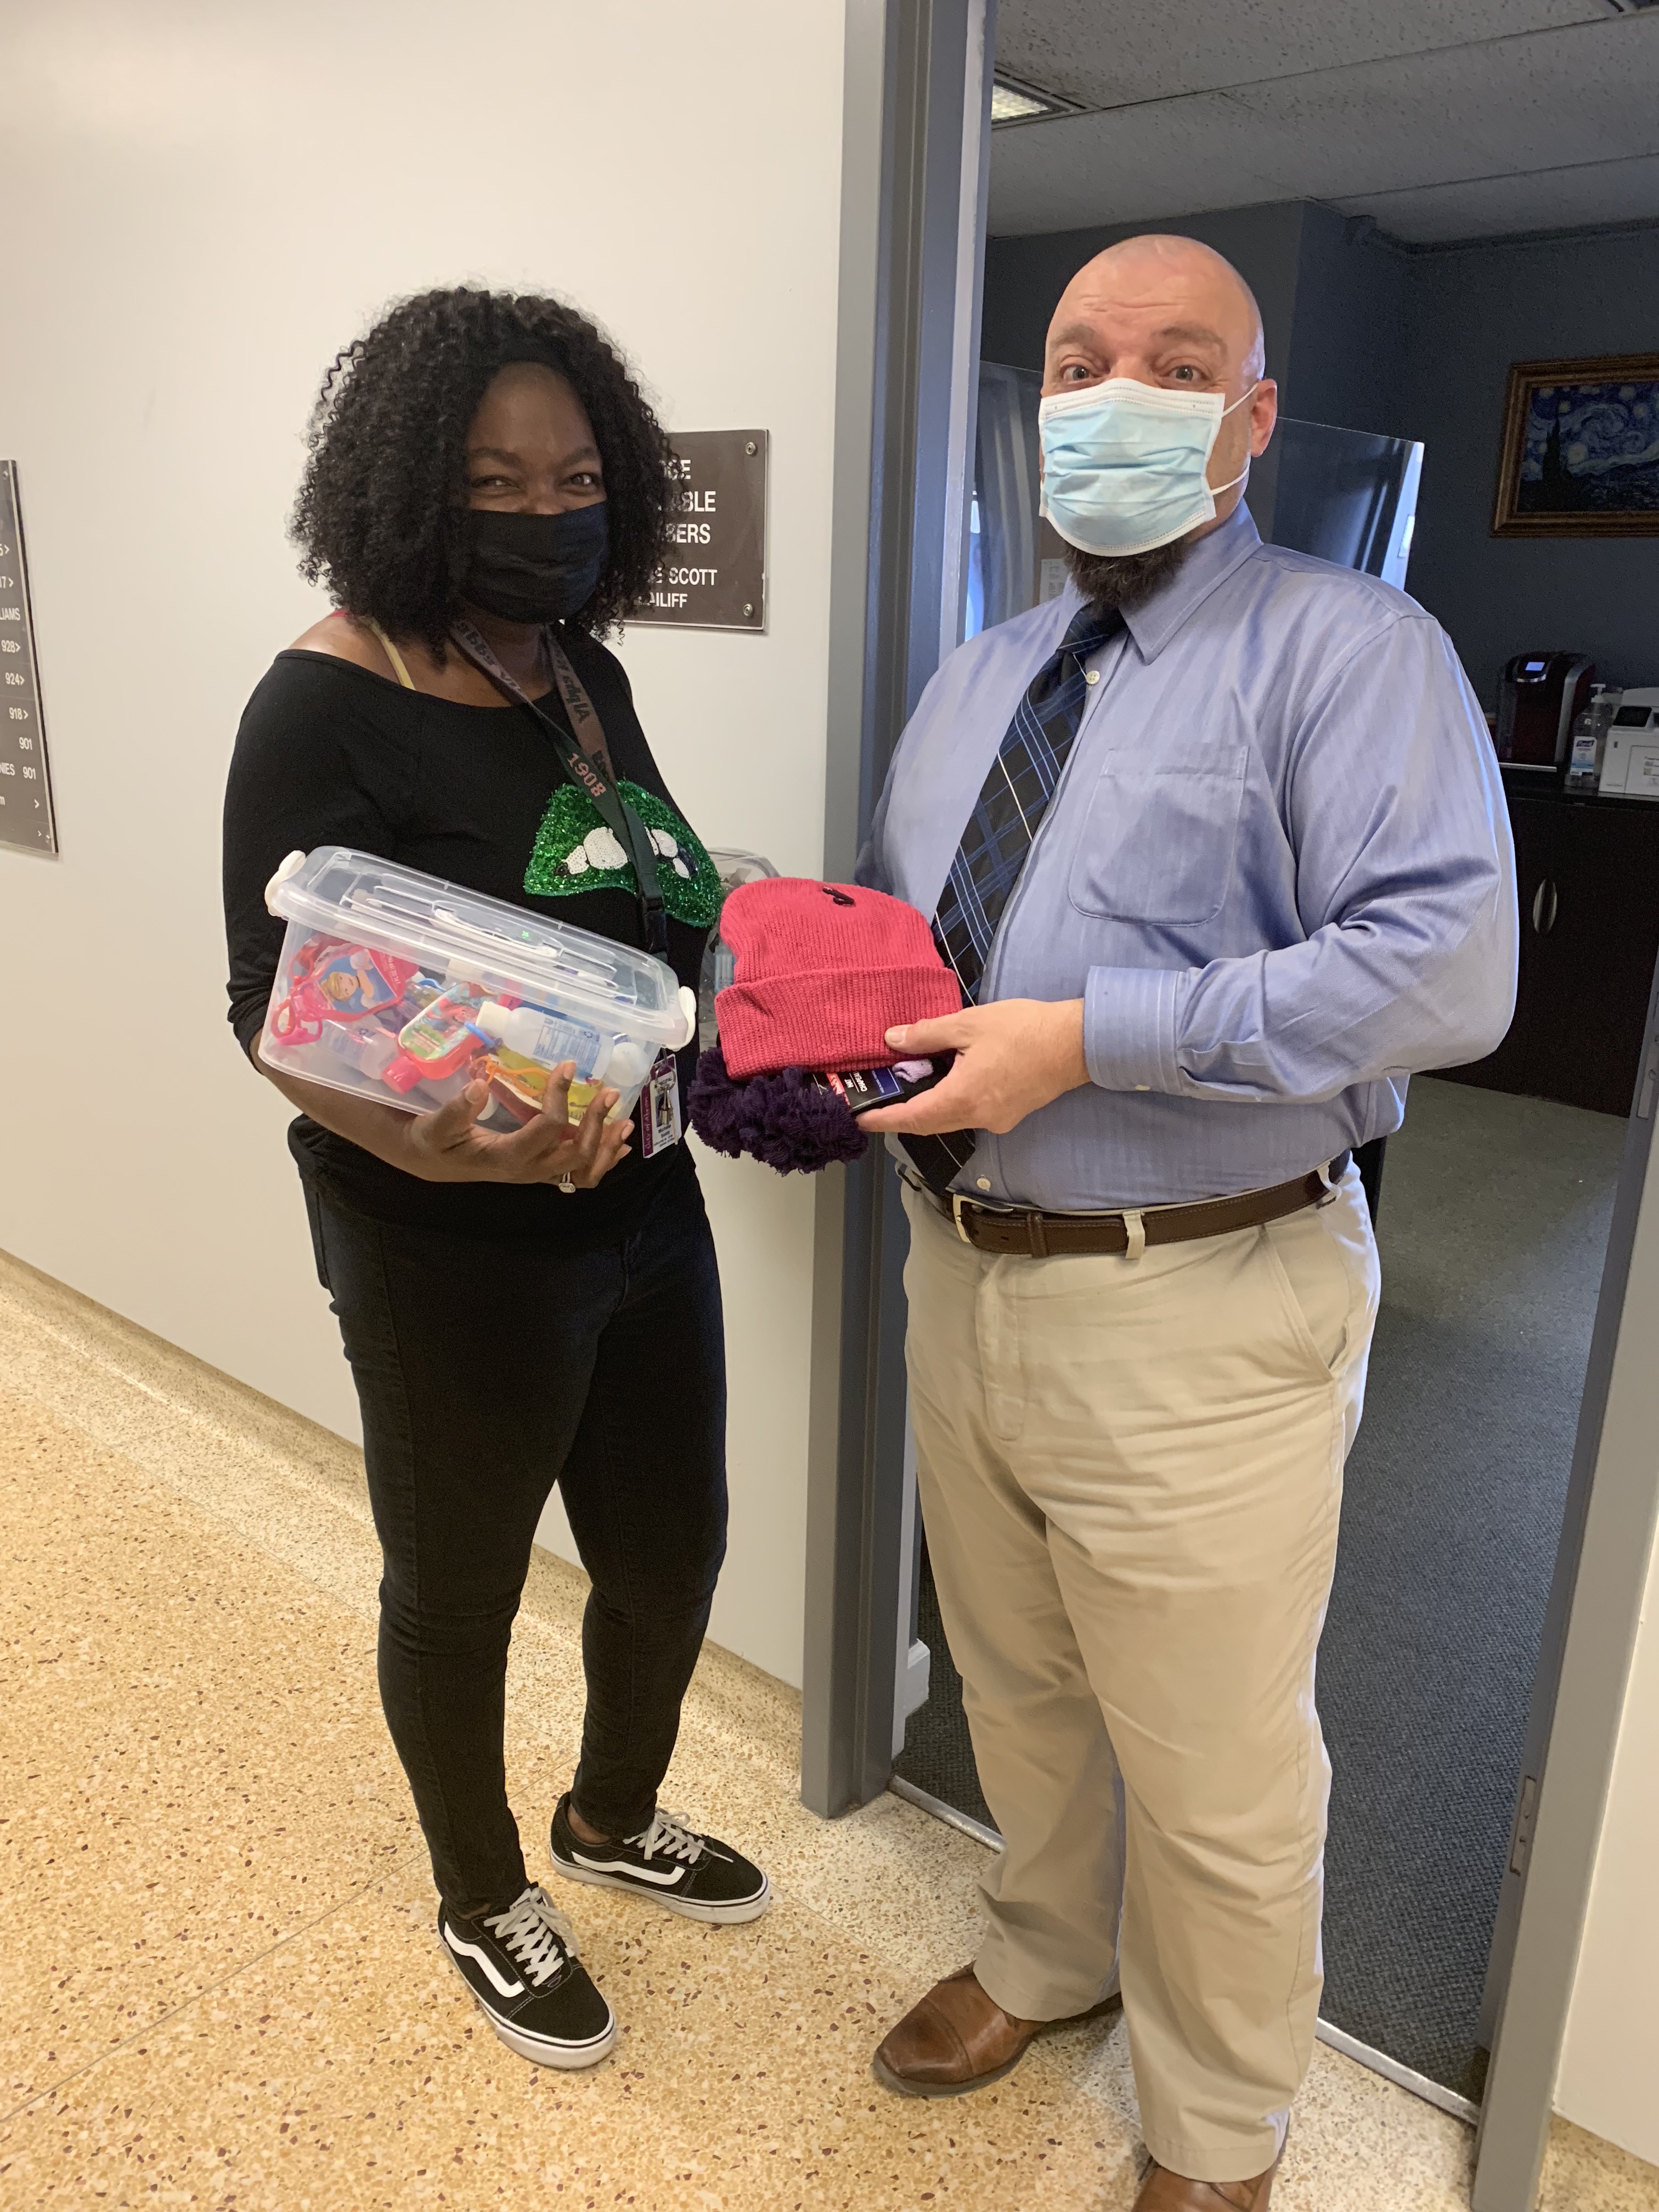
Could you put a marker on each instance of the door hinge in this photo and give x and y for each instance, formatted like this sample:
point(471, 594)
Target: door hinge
point(1649, 1081)
point(1525, 1813)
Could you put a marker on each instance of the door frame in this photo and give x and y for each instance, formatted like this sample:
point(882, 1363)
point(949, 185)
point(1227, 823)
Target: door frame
point(1590, 1625)
point(916, 146)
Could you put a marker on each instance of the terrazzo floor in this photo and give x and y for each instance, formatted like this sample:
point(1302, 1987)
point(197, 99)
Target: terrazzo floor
point(222, 1985)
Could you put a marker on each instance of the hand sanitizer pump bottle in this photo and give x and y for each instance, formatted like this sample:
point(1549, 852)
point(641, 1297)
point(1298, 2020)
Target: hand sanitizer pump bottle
point(1589, 737)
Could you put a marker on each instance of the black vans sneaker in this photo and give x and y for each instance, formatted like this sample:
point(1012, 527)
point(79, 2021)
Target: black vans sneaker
point(669, 1863)
point(522, 1966)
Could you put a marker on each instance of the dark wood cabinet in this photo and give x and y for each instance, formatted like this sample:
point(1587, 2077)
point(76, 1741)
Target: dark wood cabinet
point(1587, 872)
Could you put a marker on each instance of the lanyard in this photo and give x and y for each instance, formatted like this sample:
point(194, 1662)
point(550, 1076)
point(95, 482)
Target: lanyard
point(586, 762)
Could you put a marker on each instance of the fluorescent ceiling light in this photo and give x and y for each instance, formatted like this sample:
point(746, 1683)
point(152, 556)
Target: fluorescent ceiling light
point(1019, 103)
point(1009, 105)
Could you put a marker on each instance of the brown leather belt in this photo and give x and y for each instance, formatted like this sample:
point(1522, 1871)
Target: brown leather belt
point(1039, 1235)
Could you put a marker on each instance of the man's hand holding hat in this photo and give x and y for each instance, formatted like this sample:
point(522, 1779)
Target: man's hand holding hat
point(1011, 1058)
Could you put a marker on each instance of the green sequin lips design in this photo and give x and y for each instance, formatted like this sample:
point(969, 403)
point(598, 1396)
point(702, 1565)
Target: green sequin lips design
point(575, 850)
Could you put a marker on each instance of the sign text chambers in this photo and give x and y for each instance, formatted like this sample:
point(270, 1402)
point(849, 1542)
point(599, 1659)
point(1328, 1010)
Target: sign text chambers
point(713, 574)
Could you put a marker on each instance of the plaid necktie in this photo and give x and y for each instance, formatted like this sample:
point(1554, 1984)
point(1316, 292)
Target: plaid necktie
point(1006, 817)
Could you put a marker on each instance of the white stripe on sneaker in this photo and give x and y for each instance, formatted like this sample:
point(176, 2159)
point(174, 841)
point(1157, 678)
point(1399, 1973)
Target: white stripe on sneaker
point(476, 1951)
point(667, 1880)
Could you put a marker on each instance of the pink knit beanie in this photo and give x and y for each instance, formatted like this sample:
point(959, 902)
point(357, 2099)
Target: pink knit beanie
point(822, 972)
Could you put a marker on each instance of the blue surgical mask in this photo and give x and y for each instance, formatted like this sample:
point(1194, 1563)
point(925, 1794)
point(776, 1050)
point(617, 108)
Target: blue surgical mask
point(1123, 463)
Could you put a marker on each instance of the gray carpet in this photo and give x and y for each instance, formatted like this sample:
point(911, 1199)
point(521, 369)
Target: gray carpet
point(938, 1755)
point(1493, 1224)
point(1493, 1228)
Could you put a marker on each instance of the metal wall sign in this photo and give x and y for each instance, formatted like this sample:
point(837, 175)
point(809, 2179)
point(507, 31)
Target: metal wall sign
point(714, 576)
point(25, 787)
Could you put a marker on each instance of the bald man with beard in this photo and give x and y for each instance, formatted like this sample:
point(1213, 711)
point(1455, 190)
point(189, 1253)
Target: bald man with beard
point(1217, 845)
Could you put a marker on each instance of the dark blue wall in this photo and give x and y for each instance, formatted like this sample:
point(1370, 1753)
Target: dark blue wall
point(1473, 312)
point(1351, 336)
point(1025, 276)
point(1369, 337)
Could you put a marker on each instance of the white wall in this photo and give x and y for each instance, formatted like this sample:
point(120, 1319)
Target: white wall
point(1609, 2076)
point(203, 203)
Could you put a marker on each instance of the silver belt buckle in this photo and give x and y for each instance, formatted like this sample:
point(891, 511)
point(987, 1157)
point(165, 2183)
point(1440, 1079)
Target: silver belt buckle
point(955, 1216)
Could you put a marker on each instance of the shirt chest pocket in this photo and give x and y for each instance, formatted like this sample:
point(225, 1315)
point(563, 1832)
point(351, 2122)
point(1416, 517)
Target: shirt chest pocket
point(1160, 836)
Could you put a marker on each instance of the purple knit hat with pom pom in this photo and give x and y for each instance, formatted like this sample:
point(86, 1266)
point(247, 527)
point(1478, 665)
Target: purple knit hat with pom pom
point(823, 970)
point(786, 1120)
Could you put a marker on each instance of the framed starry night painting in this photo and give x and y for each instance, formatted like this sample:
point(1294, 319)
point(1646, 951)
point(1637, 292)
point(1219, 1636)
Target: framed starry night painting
point(1580, 456)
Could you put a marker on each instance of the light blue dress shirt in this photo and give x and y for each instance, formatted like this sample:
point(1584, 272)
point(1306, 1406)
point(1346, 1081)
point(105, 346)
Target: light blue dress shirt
point(1277, 871)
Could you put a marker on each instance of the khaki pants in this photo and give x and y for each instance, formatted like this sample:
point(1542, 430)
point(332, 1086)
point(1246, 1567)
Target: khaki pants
point(1130, 1475)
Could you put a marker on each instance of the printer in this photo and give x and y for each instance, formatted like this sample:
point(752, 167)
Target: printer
point(1629, 761)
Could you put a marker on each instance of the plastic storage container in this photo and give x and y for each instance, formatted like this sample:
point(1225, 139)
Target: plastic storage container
point(401, 988)
point(718, 966)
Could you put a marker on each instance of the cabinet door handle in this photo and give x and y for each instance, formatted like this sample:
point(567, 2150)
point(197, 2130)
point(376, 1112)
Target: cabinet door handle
point(1544, 903)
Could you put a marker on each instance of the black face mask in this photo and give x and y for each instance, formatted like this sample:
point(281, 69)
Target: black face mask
point(534, 568)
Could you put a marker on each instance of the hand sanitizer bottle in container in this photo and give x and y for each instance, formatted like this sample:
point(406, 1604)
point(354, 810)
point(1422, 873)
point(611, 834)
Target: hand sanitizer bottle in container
point(399, 986)
point(1589, 737)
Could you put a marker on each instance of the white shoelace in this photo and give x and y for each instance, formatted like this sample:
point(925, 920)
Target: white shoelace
point(537, 1933)
point(669, 1837)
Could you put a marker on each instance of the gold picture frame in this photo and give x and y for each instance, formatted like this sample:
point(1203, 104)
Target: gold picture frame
point(1580, 451)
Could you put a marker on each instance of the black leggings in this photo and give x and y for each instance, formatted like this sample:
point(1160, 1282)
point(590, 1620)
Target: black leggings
point(487, 1372)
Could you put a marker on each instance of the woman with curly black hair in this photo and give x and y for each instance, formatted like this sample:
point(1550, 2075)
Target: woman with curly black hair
point(486, 493)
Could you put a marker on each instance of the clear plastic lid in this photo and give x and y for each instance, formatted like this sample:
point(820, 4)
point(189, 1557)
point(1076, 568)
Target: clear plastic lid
point(733, 868)
point(466, 938)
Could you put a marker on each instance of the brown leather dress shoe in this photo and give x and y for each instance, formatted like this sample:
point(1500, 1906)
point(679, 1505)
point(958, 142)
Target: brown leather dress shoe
point(1164, 2191)
point(955, 2038)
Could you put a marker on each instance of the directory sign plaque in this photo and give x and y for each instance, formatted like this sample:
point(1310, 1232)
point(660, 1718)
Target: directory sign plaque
point(714, 574)
point(25, 790)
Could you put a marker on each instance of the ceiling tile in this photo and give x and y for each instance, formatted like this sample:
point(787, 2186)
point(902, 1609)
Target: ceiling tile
point(1540, 103)
point(1176, 157)
point(1522, 104)
point(1104, 53)
point(1486, 207)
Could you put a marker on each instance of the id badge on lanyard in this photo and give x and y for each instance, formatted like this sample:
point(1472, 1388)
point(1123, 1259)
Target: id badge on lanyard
point(658, 1109)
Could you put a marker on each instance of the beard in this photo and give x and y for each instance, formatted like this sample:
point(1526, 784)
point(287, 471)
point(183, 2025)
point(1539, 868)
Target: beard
point(1124, 580)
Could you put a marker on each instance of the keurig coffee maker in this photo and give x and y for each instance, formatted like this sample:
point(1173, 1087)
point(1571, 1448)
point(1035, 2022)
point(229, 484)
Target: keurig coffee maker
point(1537, 699)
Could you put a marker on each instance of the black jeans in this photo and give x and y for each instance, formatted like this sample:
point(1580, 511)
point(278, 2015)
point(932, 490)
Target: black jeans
point(488, 1371)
